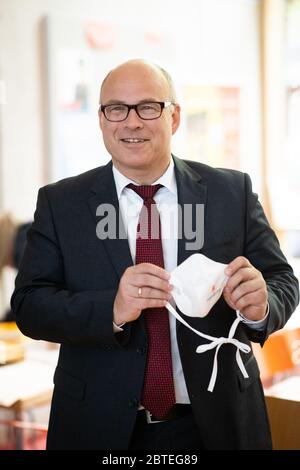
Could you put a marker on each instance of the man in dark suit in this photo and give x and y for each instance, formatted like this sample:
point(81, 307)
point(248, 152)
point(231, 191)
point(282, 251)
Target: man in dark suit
point(86, 292)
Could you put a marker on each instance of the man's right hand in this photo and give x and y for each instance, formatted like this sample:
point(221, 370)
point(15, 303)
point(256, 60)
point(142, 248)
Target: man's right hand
point(142, 286)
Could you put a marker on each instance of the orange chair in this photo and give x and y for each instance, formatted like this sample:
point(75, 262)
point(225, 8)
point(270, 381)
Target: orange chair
point(279, 357)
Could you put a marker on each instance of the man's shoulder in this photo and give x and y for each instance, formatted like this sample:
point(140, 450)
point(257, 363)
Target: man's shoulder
point(209, 174)
point(209, 171)
point(77, 184)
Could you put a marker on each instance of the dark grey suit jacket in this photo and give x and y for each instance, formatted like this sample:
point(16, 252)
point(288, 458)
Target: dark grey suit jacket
point(65, 292)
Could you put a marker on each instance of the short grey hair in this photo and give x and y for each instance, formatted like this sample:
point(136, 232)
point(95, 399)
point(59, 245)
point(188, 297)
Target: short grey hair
point(173, 96)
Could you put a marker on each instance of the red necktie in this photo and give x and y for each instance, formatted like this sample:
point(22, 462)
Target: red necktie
point(158, 395)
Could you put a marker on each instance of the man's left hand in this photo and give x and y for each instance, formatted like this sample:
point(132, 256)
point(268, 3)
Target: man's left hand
point(246, 289)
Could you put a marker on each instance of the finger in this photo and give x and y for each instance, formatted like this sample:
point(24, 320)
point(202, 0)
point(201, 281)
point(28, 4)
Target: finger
point(255, 313)
point(246, 288)
point(249, 306)
point(149, 293)
point(236, 264)
point(147, 280)
point(255, 299)
point(149, 268)
point(242, 275)
point(141, 304)
point(227, 299)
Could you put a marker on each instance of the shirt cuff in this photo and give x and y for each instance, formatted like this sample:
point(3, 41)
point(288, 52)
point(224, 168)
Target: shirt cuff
point(118, 328)
point(255, 324)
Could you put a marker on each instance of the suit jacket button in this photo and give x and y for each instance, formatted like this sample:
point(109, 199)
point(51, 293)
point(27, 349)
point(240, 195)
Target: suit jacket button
point(133, 402)
point(141, 350)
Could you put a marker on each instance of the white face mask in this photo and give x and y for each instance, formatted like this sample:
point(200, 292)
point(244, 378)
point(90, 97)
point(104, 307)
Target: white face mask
point(198, 284)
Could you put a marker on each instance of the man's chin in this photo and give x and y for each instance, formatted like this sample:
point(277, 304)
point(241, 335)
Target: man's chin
point(133, 162)
point(135, 159)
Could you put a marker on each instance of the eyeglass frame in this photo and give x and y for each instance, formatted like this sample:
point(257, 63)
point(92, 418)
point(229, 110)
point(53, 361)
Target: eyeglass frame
point(163, 105)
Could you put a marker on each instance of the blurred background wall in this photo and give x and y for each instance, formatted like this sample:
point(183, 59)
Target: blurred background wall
point(228, 60)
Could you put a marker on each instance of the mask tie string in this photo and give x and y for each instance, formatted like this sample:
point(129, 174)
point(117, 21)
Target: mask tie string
point(217, 343)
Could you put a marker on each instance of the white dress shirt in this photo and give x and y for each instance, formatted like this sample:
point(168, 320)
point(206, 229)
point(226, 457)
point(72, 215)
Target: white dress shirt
point(166, 199)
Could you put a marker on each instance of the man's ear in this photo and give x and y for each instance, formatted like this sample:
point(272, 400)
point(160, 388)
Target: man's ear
point(175, 118)
point(100, 118)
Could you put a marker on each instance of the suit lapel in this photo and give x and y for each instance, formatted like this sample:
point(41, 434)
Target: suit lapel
point(104, 192)
point(191, 191)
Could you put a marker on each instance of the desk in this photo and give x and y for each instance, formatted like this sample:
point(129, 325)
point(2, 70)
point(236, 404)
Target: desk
point(27, 385)
point(283, 405)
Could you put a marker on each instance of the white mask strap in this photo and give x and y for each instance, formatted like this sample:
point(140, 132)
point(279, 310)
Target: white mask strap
point(217, 343)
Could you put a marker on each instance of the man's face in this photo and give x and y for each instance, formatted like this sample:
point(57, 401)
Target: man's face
point(150, 152)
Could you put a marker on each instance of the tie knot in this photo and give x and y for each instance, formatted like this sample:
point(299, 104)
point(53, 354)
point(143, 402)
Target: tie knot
point(145, 191)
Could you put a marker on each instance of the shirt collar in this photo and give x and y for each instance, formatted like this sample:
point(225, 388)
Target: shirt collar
point(167, 180)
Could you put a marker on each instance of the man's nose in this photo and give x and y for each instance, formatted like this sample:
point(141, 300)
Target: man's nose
point(133, 120)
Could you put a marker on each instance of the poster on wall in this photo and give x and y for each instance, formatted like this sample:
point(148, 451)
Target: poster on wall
point(79, 55)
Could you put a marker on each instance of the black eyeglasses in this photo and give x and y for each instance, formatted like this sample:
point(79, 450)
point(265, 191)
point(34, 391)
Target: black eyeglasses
point(147, 111)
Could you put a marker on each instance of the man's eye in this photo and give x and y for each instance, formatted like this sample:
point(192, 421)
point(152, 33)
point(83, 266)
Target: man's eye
point(147, 107)
point(116, 109)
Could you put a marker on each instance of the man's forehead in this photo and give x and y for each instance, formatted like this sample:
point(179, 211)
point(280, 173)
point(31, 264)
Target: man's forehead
point(134, 78)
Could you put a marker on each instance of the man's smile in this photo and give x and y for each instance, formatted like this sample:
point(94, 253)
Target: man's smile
point(133, 140)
